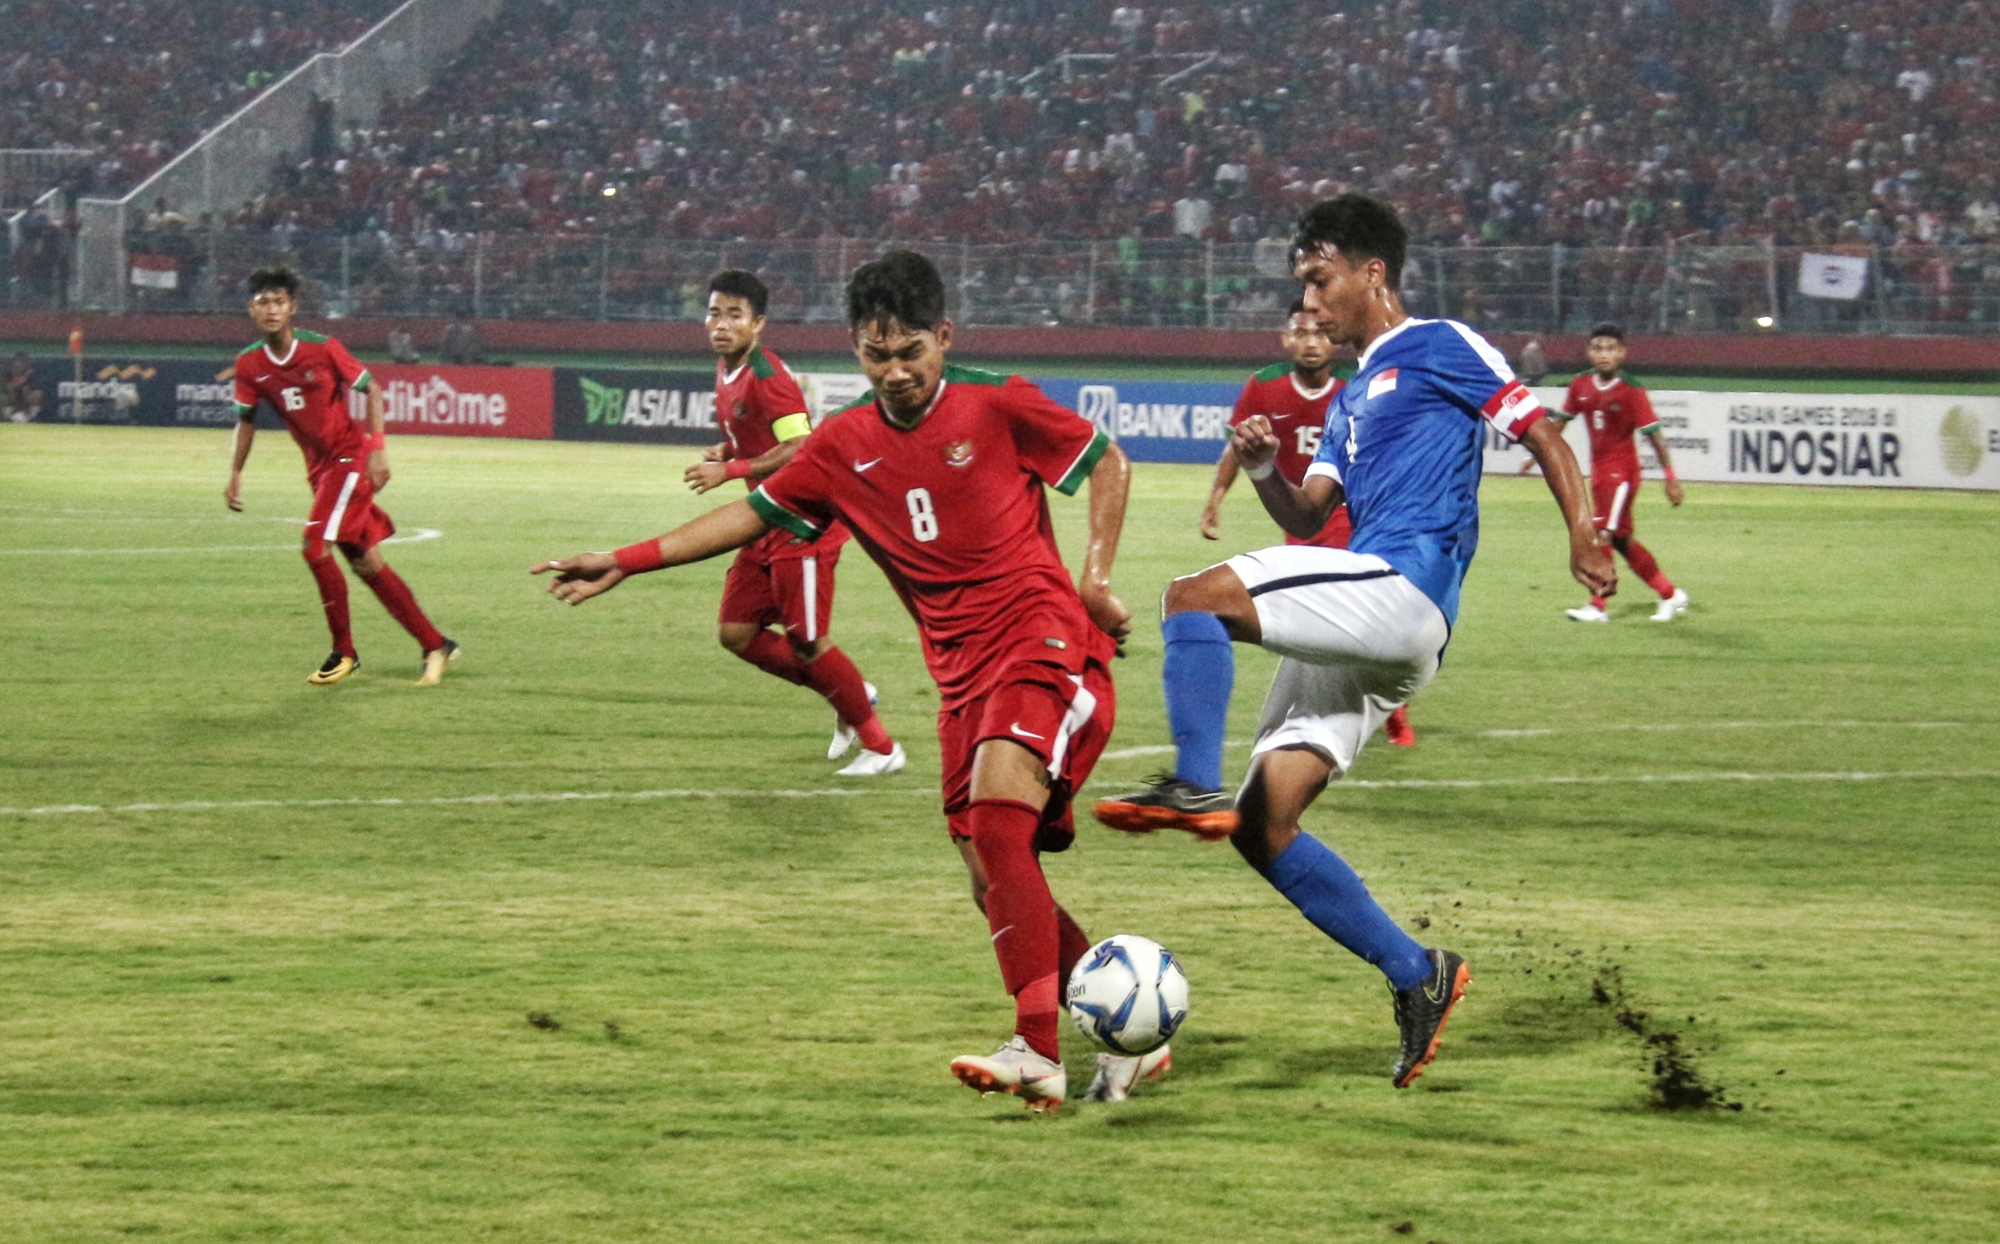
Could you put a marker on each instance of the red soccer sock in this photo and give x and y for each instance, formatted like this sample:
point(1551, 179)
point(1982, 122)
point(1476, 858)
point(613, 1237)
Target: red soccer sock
point(834, 676)
point(402, 606)
point(1641, 561)
point(1022, 914)
point(769, 652)
point(333, 598)
point(1072, 943)
point(1598, 602)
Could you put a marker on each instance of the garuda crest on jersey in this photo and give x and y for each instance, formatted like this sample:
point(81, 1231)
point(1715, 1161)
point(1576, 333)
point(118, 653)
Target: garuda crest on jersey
point(958, 454)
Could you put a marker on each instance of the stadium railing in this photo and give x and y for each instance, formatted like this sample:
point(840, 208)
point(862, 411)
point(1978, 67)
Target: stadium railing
point(1131, 283)
point(231, 164)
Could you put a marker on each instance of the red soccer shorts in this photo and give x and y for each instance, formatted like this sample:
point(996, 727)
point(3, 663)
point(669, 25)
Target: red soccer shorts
point(1613, 492)
point(779, 581)
point(344, 512)
point(1064, 719)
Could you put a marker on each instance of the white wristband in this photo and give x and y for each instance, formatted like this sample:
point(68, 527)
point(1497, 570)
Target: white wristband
point(1260, 472)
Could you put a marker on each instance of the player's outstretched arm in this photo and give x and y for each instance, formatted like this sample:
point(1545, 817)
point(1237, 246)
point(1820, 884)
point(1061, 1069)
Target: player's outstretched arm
point(1589, 561)
point(586, 575)
point(1225, 475)
point(246, 432)
point(1301, 511)
point(378, 453)
point(1110, 481)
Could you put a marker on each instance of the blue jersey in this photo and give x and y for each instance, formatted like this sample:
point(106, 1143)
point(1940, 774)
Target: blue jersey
point(1404, 440)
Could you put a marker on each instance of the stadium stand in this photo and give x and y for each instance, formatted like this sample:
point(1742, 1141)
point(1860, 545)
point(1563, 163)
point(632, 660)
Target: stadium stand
point(135, 83)
point(1118, 163)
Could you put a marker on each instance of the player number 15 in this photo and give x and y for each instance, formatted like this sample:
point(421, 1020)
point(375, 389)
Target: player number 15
point(923, 519)
point(1308, 440)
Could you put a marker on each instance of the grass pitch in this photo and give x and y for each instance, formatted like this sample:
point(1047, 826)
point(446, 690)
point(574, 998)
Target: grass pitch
point(274, 1010)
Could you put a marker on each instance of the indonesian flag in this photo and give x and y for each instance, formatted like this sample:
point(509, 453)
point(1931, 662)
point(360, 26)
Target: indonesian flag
point(155, 271)
point(1833, 276)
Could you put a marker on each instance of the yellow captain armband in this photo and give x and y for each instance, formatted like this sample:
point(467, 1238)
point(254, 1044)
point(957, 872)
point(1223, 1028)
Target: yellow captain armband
point(791, 427)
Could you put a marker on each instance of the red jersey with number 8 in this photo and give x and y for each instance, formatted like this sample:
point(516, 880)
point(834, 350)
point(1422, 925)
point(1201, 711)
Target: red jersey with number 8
point(308, 388)
point(1297, 419)
point(954, 512)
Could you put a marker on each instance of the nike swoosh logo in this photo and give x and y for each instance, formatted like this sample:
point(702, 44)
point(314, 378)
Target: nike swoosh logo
point(1435, 992)
point(261, 379)
point(997, 936)
point(1026, 734)
point(859, 466)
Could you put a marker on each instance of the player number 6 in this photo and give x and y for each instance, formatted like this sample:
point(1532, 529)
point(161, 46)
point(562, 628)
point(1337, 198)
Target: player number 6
point(923, 519)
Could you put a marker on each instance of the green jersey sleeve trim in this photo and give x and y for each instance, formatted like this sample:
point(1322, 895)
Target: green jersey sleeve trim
point(245, 412)
point(972, 375)
point(1276, 371)
point(760, 364)
point(362, 381)
point(1085, 463)
point(778, 516)
point(791, 427)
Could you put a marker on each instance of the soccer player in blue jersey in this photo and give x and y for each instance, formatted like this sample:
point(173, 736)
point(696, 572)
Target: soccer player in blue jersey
point(1361, 628)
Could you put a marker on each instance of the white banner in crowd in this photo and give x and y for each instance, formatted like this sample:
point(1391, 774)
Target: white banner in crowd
point(1867, 439)
point(1832, 276)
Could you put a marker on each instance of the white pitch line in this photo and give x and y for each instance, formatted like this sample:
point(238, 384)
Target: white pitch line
point(1724, 725)
point(1163, 749)
point(415, 534)
point(1607, 779)
point(439, 801)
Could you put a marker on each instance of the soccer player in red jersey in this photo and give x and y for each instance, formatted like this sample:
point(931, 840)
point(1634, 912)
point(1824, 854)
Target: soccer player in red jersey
point(305, 377)
point(941, 477)
point(781, 580)
point(1294, 397)
point(1614, 409)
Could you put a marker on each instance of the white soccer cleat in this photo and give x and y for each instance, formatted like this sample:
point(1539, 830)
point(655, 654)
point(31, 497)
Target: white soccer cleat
point(1014, 1068)
point(844, 735)
point(1118, 1075)
point(1672, 607)
point(875, 764)
point(1589, 613)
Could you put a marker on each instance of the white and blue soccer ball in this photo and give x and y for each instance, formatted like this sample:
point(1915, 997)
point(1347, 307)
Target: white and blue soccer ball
point(1128, 994)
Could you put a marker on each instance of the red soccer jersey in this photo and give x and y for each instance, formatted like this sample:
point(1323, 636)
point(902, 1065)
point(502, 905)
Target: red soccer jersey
point(954, 512)
point(1613, 412)
point(1297, 418)
point(753, 399)
point(308, 388)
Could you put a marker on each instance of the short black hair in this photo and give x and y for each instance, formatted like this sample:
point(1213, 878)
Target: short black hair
point(902, 286)
point(1359, 227)
point(1298, 308)
point(736, 283)
point(274, 276)
point(1609, 328)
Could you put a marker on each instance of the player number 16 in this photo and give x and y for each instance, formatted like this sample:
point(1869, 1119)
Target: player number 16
point(923, 519)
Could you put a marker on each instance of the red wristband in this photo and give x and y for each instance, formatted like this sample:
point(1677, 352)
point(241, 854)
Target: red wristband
point(1671, 477)
point(641, 557)
point(737, 468)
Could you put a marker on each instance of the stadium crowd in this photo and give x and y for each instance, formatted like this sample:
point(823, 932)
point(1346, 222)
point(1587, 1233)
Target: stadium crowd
point(136, 83)
point(1626, 122)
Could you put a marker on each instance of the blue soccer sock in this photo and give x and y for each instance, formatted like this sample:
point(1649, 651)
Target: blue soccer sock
point(1322, 886)
point(1199, 672)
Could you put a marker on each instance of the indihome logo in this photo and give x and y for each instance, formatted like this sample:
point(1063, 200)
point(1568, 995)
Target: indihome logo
point(435, 401)
point(611, 406)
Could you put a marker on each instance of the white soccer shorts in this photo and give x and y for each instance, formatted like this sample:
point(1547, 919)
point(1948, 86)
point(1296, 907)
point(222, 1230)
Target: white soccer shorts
point(1357, 639)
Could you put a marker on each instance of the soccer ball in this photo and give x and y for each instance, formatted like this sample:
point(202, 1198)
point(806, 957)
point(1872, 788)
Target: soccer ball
point(1128, 994)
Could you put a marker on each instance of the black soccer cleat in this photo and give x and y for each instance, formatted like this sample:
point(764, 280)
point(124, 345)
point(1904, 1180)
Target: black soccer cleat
point(1170, 803)
point(1421, 1013)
